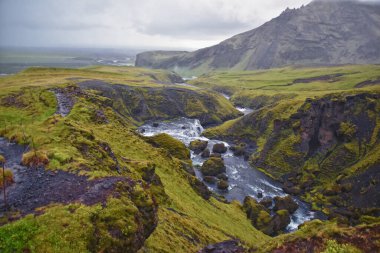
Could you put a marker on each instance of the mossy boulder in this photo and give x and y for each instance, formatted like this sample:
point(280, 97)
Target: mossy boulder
point(285, 203)
point(172, 145)
point(198, 146)
point(222, 184)
point(280, 220)
point(213, 166)
point(239, 150)
point(252, 208)
point(219, 148)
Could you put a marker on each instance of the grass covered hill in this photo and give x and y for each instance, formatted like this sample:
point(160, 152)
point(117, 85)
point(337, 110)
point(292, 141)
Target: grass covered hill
point(316, 130)
point(85, 180)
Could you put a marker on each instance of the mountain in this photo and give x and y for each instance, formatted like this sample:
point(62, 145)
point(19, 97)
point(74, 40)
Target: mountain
point(321, 33)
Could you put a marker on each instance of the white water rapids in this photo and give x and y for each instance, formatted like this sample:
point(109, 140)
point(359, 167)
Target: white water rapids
point(243, 179)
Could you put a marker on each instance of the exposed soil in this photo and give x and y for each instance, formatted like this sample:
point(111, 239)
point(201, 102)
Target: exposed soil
point(35, 188)
point(368, 83)
point(328, 78)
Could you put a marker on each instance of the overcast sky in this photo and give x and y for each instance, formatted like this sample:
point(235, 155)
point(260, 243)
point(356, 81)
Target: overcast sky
point(159, 24)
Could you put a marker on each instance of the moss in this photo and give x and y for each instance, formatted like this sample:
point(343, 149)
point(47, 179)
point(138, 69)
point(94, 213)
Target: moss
point(173, 146)
point(213, 166)
point(334, 247)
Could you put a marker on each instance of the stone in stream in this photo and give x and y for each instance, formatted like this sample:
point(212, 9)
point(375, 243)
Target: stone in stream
point(209, 179)
point(198, 146)
point(155, 124)
point(217, 155)
point(213, 166)
point(219, 148)
point(222, 185)
point(286, 203)
point(206, 153)
point(267, 202)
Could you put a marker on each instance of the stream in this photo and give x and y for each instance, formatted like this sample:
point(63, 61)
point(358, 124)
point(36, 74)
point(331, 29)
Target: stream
point(244, 180)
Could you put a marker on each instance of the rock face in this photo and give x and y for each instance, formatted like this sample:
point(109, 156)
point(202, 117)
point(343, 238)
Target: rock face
point(321, 33)
point(143, 104)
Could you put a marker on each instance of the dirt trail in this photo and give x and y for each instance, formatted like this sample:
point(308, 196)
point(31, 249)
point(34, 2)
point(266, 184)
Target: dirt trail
point(35, 188)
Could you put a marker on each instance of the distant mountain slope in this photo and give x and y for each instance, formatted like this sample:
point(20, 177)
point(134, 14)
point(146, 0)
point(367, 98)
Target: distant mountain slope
point(321, 33)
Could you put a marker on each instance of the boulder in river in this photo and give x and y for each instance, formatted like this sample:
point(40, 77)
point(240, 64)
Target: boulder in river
point(267, 202)
point(198, 146)
point(222, 176)
point(222, 185)
point(280, 220)
point(219, 148)
point(155, 124)
point(286, 203)
point(209, 179)
point(213, 166)
point(217, 155)
point(206, 153)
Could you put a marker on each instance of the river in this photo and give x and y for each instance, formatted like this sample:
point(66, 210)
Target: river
point(244, 180)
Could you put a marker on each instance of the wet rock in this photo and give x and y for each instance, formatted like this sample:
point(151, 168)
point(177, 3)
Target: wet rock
point(217, 155)
point(213, 166)
point(259, 195)
point(209, 179)
point(155, 124)
point(198, 146)
point(267, 202)
point(222, 176)
point(231, 246)
point(206, 153)
point(183, 127)
point(280, 220)
point(219, 148)
point(286, 203)
point(222, 184)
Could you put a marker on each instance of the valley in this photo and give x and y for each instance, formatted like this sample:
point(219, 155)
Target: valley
point(100, 125)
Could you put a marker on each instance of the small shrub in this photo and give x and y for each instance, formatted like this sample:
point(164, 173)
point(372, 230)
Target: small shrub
point(35, 159)
point(334, 247)
point(8, 178)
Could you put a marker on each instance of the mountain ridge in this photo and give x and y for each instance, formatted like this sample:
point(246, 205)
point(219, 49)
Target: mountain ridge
point(320, 33)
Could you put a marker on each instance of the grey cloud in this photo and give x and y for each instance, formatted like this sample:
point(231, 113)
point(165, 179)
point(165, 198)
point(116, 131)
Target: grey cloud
point(148, 23)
